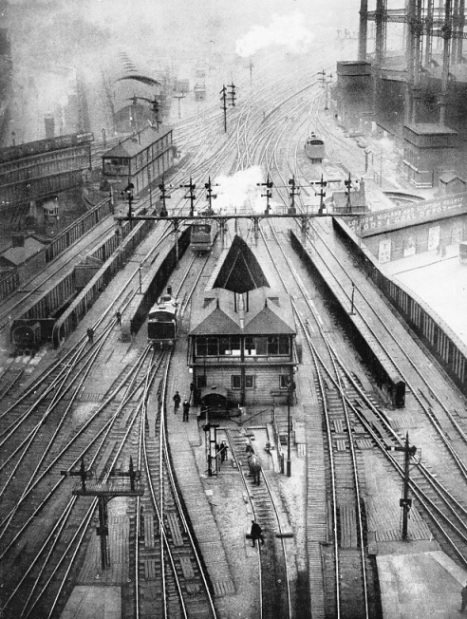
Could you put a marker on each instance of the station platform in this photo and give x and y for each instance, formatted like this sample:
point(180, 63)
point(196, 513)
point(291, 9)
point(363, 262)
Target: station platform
point(93, 602)
point(418, 583)
point(448, 299)
point(185, 438)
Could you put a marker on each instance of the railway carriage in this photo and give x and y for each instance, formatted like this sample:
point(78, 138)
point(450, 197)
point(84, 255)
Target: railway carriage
point(41, 147)
point(314, 149)
point(162, 321)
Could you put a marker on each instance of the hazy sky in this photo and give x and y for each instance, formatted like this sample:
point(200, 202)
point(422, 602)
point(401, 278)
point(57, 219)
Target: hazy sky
point(70, 28)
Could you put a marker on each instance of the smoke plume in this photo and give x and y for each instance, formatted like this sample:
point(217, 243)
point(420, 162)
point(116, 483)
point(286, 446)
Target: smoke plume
point(287, 31)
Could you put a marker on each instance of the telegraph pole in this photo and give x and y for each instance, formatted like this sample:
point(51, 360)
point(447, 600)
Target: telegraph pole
point(128, 191)
point(294, 191)
point(209, 194)
point(348, 184)
point(321, 193)
point(231, 95)
point(191, 195)
point(268, 195)
point(223, 94)
point(164, 197)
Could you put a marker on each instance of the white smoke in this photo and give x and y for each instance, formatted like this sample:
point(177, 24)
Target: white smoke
point(287, 31)
point(240, 191)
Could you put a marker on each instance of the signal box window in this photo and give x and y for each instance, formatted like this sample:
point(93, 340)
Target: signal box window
point(249, 382)
point(237, 382)
point(272, 345)
point(207, 347)
point(284, 381)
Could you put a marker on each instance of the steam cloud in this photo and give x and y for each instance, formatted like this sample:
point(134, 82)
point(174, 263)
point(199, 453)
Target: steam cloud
point(240, 191)
point(287, 31)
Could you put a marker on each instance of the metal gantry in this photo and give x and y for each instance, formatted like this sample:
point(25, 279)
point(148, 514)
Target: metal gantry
point(423, 21)
point(105, 493)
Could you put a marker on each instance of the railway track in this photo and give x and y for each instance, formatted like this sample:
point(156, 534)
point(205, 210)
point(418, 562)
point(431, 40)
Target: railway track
point(155, 534)
point(274, 597)
point(348, 531)
point(169, 574)
point(45, 500)
point(424, 390)
point(100, 441)
point(445, 513)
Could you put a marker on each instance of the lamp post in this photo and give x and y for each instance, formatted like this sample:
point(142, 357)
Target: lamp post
point(405, 502)
point(290, 391)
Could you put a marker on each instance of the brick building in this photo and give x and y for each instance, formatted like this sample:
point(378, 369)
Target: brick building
point(242, 333)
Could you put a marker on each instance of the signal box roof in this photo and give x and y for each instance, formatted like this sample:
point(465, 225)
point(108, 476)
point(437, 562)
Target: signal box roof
point(137, 143)
point(261, 311)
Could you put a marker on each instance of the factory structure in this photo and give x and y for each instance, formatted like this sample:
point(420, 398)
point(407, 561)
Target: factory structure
point(409, 82)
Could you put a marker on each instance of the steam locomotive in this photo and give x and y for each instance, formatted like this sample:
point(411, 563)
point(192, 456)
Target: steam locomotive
point(26, 336)
point(203, 235)
point(162, 321)
point(314, 149)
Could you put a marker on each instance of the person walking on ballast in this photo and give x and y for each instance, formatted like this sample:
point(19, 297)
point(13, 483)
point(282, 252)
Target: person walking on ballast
point(186, 410)
point(256, 533)
point(177, 399)
point(223, 451)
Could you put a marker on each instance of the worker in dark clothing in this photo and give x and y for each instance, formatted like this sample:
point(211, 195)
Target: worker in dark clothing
point(223, 451)
point(464, 598)
point(186, 410)
point(256, 533)
point(177, 399)
point(118, 316)
point(90, 333)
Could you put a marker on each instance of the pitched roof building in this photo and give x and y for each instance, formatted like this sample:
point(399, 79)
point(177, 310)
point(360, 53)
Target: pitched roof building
point(242, 335)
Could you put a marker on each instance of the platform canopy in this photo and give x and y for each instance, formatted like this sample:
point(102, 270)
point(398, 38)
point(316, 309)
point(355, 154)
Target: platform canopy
point(240, 271)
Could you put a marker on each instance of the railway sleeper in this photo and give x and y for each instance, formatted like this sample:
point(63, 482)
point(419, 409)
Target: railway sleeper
point(174, 527)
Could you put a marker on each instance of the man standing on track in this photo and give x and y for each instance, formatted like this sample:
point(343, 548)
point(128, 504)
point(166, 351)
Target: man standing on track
point(186, 410)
